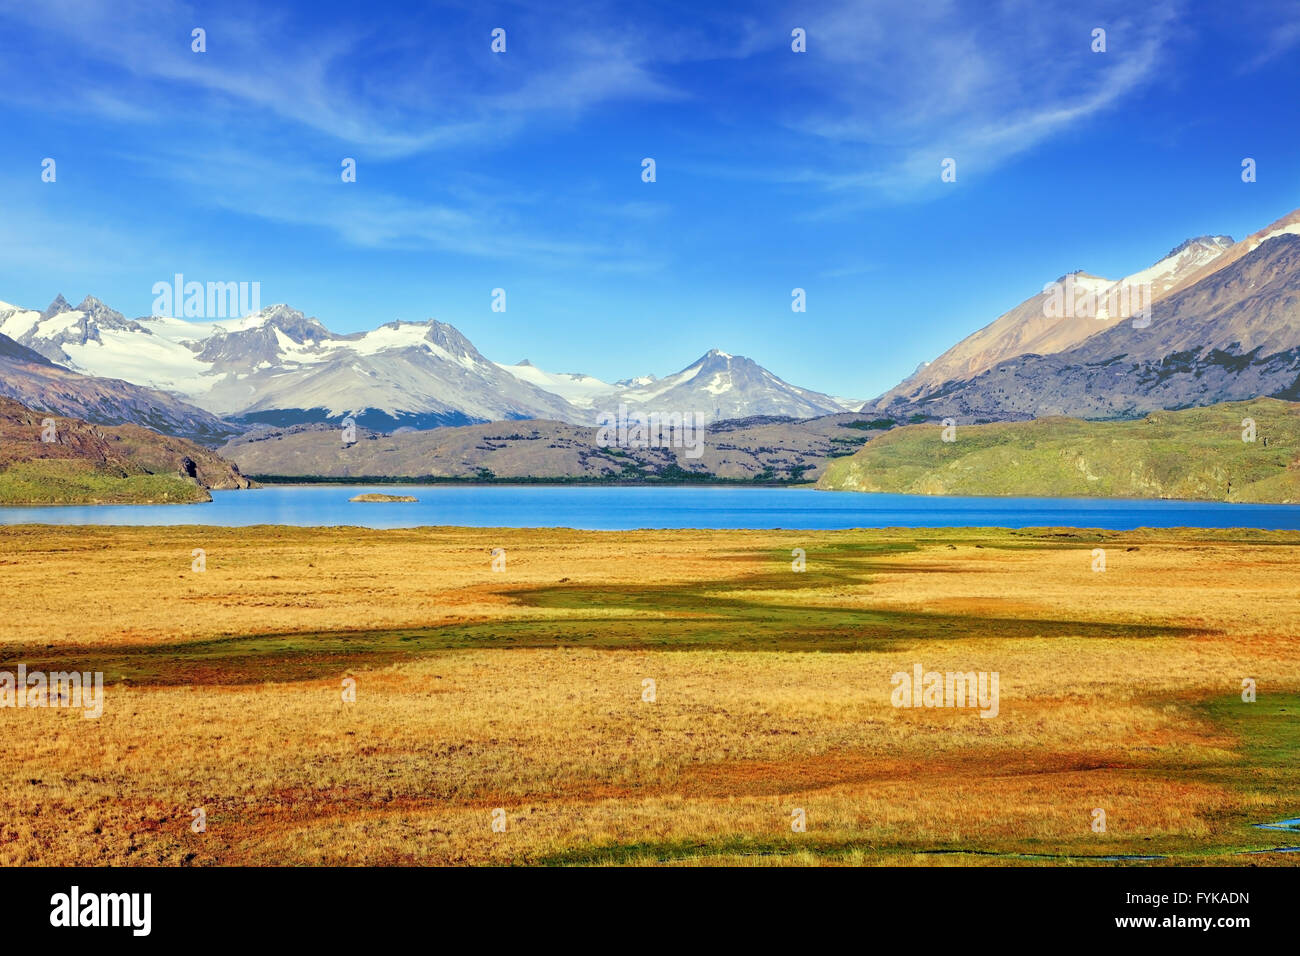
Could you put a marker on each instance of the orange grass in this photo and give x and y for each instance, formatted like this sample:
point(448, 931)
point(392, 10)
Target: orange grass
point(521, 690)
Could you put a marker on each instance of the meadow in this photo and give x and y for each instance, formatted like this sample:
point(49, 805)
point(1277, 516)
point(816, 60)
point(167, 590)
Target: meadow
point(524, 690)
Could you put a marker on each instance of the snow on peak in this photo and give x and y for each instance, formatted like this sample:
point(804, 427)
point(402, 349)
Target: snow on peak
point(1289, 229)
point(1181, 262)
point(278, 358)
point(582, 391)
point(1087, 282)
point(58, 306)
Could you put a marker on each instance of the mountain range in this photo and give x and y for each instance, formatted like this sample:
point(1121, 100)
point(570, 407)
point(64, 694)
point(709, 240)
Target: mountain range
point(1224, 325)
point(34, 381)
point(1028, 328)
point(280, 367)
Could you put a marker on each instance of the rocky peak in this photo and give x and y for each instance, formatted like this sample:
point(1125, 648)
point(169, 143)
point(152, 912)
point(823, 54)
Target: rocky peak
point(57, 307)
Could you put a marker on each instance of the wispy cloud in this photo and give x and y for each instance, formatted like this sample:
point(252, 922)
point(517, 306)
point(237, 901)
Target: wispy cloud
point(886, 90)
point(1282, 39)
point(474, 220)
point(255, 110)
point(896, 87)
point(907, 78)
point(395, 88)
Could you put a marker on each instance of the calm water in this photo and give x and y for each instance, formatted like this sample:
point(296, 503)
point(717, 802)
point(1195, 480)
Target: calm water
point(614, 508)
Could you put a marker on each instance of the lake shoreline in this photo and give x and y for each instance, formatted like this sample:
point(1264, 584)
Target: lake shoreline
point(677, 507)
point(275, 482)
point(310, 481)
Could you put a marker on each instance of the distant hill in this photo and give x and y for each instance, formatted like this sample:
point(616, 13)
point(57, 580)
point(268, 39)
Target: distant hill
point(100, 464)
point(753, 449)
point(1194, 454)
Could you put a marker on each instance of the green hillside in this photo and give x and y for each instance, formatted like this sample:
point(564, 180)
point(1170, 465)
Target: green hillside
point(1195, 453)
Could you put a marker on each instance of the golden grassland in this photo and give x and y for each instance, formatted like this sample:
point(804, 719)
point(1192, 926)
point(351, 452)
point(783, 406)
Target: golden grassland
point(522, 690)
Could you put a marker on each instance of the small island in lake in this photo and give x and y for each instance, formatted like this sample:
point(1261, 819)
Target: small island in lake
point(379, 497)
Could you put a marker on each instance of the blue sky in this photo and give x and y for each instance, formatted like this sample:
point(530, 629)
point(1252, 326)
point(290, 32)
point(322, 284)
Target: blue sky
point(522, 170)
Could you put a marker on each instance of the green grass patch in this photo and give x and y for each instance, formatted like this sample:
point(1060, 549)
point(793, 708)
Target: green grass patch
point(70, 482)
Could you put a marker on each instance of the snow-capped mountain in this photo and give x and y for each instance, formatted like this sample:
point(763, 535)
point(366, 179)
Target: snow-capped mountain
point(582, 391)
point(1183, 261)
point(1287, 225)
point(37, 383)
point(1031, 328)
point(281, 367)
point(1224, 326)
point(730, 386)
point(418, 374)
point(717, 385)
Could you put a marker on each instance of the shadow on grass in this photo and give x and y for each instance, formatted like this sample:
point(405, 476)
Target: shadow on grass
point(653, 617)
point(1263, 771)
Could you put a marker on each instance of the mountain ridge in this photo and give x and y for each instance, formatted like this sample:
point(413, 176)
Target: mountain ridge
point(757, 449)
point(1028, 329)
point(28, 377)
point(1233, 334)
point(280, 367)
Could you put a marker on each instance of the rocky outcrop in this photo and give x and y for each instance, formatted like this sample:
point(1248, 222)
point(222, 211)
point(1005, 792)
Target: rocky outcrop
point(67, 454)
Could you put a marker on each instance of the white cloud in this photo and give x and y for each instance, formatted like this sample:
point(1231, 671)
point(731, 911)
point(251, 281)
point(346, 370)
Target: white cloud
point(474, 221)
point(896, 87)
point(886, 89)
point(398, 92)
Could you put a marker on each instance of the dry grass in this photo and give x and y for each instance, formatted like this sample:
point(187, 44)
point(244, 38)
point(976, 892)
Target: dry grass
point(522, 690)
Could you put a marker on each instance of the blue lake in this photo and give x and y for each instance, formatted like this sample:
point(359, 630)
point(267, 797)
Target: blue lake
point(599, 507)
